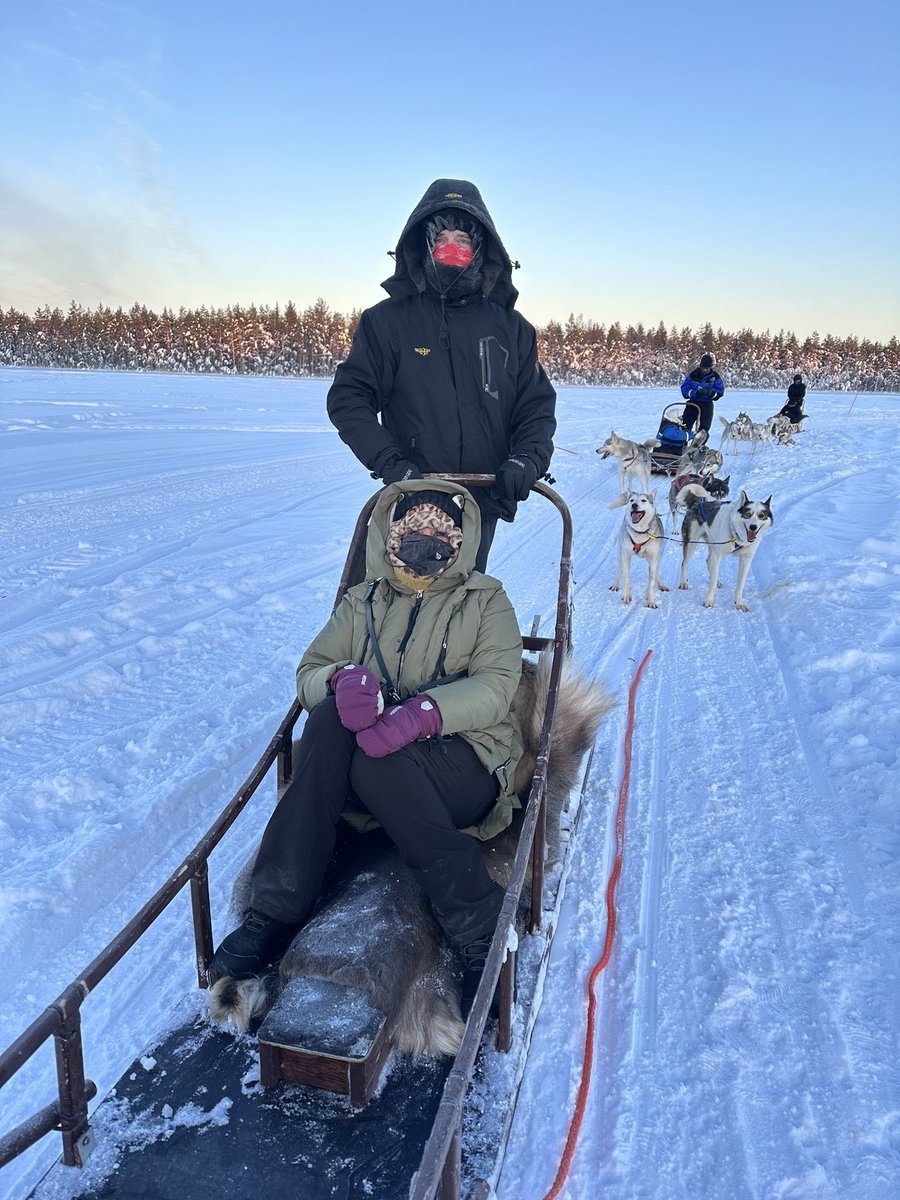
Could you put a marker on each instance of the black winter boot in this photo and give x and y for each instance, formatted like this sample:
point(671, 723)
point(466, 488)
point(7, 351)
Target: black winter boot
point(474, 959)
point(250, 948)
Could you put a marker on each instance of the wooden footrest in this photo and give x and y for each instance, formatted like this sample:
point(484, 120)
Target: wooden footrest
point(326, 1036)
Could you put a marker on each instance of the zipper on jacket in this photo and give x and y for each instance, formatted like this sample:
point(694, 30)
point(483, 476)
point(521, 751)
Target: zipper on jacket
point(417, 604)
point(487, 375)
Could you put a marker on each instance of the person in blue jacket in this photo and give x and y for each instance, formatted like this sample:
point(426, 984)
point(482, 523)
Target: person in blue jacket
point(703, 387)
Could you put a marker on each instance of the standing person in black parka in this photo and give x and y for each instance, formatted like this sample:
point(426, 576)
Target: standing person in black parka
point(447, 363)
point(703, 387)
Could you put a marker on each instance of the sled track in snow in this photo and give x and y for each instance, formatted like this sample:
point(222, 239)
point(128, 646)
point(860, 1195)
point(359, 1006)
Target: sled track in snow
point(685, 977)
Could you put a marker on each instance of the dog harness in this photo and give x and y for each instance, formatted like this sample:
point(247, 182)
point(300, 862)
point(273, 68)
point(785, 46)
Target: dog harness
point(637, 547)
point(682, 481)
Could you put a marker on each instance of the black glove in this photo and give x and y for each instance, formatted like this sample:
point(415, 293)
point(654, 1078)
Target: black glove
point(399, 470)
point(515, 478)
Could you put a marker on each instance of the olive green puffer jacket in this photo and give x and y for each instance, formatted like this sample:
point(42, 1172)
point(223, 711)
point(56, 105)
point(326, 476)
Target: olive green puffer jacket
point(470, 610)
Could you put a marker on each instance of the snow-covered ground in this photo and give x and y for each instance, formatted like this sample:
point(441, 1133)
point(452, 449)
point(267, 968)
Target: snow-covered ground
point(169, 544)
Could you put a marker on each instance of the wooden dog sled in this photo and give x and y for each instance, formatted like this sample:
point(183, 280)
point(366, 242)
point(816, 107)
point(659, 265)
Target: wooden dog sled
point(271, 1136)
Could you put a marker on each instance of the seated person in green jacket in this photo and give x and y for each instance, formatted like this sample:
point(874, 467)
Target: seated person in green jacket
point(408, 689)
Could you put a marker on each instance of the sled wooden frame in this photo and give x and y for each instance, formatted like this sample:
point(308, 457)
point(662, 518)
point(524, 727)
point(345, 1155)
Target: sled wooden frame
point(351, 1060)
point(440, 1164)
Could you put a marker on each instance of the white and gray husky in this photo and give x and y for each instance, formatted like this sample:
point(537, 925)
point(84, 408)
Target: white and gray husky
point(398, 953)
point(727, 529)
point(699, 460)
point(735, 431)
point(641, 534)
point(634, 459)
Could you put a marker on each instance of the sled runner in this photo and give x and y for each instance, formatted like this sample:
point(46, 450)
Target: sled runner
point(673, 438)
point(291, 1109)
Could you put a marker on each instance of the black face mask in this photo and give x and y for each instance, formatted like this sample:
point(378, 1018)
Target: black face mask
point(424, 555)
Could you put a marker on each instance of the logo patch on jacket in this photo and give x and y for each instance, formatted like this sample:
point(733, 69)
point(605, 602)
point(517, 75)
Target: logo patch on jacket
point(423, 350)
point(453, 195)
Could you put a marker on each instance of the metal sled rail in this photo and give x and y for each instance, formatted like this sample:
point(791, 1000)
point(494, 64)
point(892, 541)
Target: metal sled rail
point(61, 1020)
point(441, 1159)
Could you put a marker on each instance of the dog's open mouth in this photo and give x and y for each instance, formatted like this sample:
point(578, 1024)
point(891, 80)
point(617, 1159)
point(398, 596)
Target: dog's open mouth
point(637, 515)
point(751, 535)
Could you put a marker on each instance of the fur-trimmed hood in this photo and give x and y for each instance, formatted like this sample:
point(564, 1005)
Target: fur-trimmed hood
point(409, 273)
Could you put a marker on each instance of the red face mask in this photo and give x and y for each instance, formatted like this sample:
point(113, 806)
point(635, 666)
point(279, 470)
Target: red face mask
point(452, 255)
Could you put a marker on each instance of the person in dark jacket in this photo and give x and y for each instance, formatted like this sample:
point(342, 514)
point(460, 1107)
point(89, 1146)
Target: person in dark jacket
point(420, 739)
point(448, 364)
point(703, 387)
point(793, 410)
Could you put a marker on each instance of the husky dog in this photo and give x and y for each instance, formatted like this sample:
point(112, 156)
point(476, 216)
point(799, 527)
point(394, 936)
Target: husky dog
point(735, 431)
point(784, 422)
point(699, 460)
point(781, 429)
point(689, 487)
point(397, 952)
point(760, 435)
point(634, 460)
point(727, 529)
point(641, 534)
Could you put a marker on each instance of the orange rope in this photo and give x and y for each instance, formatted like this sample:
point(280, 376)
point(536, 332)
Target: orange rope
point(585, 1085)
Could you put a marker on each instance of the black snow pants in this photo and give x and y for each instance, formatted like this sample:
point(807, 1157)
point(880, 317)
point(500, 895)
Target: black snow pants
point(421, 795)
point(707, 407)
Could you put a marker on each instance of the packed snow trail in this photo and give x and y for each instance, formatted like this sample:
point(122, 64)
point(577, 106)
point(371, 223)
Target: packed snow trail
point(168, 547)
point(747, 1038)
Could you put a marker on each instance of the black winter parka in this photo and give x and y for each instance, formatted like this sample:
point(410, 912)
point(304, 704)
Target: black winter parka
point(461, 402)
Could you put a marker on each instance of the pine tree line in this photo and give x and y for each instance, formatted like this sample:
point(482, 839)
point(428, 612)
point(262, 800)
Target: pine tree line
point(285, 341)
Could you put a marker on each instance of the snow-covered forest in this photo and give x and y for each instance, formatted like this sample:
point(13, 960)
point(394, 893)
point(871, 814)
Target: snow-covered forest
point(287, 341)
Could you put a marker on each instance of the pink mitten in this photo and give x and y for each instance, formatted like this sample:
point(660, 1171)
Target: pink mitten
point(358, 697)
point(419, 717)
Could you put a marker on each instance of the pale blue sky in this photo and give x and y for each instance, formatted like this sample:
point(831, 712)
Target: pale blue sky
point(729, 162)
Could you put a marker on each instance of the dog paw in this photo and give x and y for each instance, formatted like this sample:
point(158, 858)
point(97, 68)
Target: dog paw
point(650, 604)
point(740, 606)
point(662, 587)
point(626, 597)
point(613, 587)
point(682, 587)
point(708, 603)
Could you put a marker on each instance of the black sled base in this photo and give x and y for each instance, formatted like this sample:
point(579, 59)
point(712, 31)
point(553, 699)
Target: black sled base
point(200, 1124)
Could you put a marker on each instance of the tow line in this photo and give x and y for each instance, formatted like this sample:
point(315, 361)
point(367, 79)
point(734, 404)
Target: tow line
point(588, 1060)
